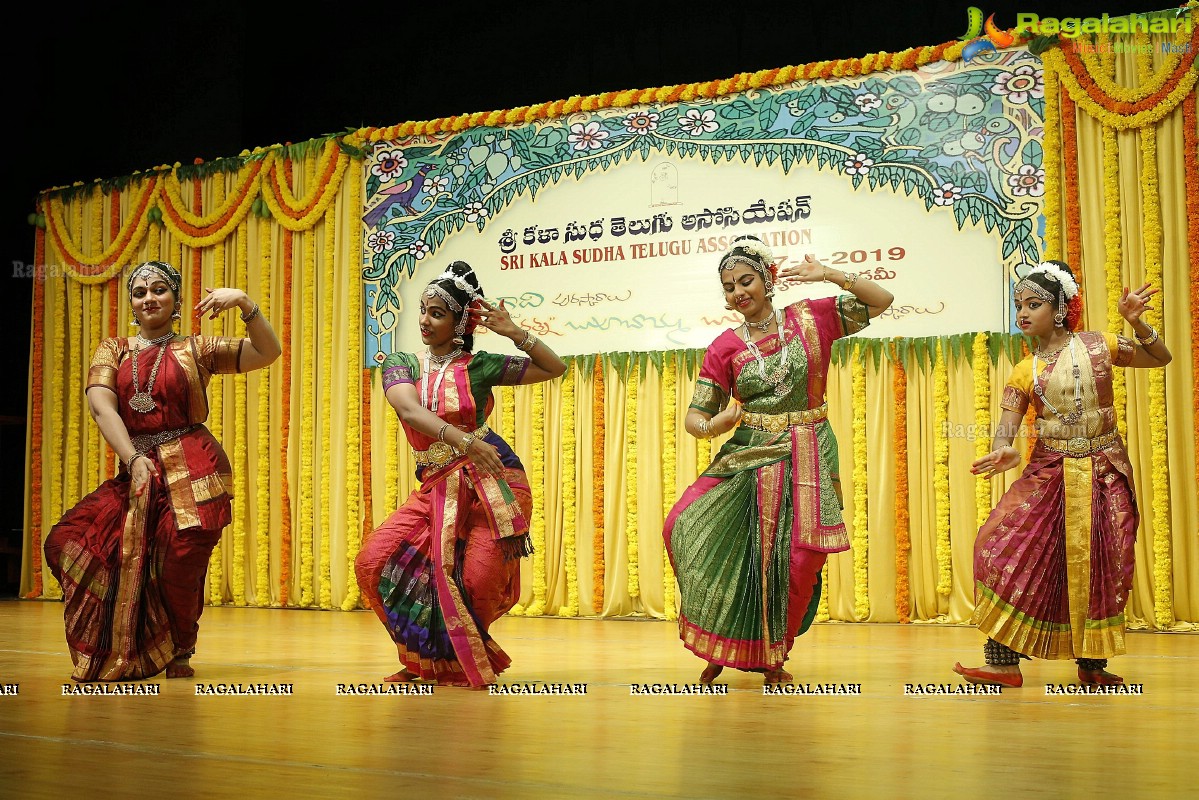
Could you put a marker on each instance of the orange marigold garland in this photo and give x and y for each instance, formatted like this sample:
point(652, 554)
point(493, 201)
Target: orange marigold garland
point(35, 416)
point(1073, 203)
point(903, 540)
point(1190, 158)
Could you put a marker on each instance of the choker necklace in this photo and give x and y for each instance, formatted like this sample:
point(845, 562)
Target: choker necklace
point(429, 399)
point(142, 402)
point(763, 326)
point(1065, 344)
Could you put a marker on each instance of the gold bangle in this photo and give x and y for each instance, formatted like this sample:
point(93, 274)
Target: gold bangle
point(850, 279)
point(1149, 340)
point(466, 442)
point(254, 312)
point(529, 343)
point(705, 429)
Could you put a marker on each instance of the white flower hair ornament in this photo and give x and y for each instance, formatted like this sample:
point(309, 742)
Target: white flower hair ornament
point(757, 247)
point(1064, 279)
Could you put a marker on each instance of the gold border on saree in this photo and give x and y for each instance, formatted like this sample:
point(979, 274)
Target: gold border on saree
point(777, 423)
point(441, 453)
point(1080, 446)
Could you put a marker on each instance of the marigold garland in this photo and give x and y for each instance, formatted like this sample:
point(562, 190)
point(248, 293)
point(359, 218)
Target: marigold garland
point(307, 509)
point(113, 287)
point(36, 418)
point(95, 443)
point(216, 417)
point(598, 412)
point(241, 449)
point(121, 251)
point(1190, 149)
point(537, 486)
point(670, 374)
point(75, 377)
point(53, 436)
point(822, 612)
point(861, 534)
point(285, 554)
point(1051, 142)
point(569, 509)
point(354, 400)
point(631, 531)
point(197, 260)
point(982, 421)
point(194, 229)
point(368, 500)
point(1073, 204)
point(326, 373)
point(1114, 249)
point(941, 471)
point(903, 539)
point(907, 59)
point(1101, 98)
point(301, 214)
point(1163, 568)
point(262, 527)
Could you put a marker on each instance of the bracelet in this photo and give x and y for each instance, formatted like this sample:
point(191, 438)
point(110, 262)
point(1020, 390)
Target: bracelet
point(524, 341)
point(705, 429)
point(132, 458)
point(850, 279)
point(1148, 340)
point(441, 433)
point(254, 312)
point(529, 343)
point(467, 441)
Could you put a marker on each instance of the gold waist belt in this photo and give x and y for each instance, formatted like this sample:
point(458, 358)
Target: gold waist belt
point(144, 443)
point(1079, 445)
point(441, 453)
point(776, 423)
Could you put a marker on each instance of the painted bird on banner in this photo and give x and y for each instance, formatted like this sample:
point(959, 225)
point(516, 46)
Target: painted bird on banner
point(402, 194)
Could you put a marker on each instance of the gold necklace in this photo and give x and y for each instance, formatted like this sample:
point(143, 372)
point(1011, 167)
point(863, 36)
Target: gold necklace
point(763, 326)
point(142, 402)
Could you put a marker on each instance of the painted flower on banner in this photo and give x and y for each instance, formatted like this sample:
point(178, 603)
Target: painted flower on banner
point(587, 137)
point(641, 122)
point(1029, 181)
point(946, 194)
point(389, 163)
point(475, 211)
point(697, 123)
point(1022, 83)
point(867, 101)
point(380, 241)
point(437, 184)
point(418, 249)
point(858, 164)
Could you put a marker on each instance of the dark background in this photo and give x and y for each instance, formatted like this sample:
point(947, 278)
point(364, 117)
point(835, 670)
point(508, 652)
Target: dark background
point(114, 88)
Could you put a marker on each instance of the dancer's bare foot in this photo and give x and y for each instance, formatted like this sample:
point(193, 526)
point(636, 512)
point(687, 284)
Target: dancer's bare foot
point(180, 668)
point(403, 676)
point(773, 677)
point(1098, 677)
point(992, 675)
point(710, 673)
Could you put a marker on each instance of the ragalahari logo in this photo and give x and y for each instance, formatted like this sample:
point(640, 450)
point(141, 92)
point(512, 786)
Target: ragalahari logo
point(977, 44)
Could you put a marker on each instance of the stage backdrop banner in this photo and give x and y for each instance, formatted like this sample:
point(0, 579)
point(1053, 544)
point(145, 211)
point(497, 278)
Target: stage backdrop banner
point(602, 231)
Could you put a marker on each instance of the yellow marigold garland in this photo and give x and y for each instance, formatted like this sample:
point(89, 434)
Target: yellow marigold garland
point(982, 422)
point(598, 449)
point(903, 538)
point(199, 230)
point(326, 372)
point(262, 527)
point(37, 417)
point(569, 509)
point(216, 416)
point(354, 399)
point(537, 485)
point(1114, 249)
point(508, 432)
point(55, 433)
point(1163, 567)
point(95, 312)
point(631, 532)
point(941, 471)
point(122, 251)
point(861, 534)
point(241, 462)
point(670, 374)
point(301, 214)
point(1051, 141)
point(74, 396)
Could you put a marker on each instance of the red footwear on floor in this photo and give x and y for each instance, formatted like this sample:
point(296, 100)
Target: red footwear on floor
point(980, 675)
point(1098, 678)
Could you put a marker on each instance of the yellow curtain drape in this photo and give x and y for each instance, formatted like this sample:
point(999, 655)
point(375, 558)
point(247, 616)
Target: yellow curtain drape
point(296, 547)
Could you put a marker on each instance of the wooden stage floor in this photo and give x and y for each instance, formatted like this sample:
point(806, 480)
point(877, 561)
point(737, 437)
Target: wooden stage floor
point(605, 743)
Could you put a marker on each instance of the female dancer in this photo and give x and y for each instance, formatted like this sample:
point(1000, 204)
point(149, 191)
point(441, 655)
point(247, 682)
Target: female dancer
point(1053, 563)
point(131, 556)
point(446, 564)
point(748, 538)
